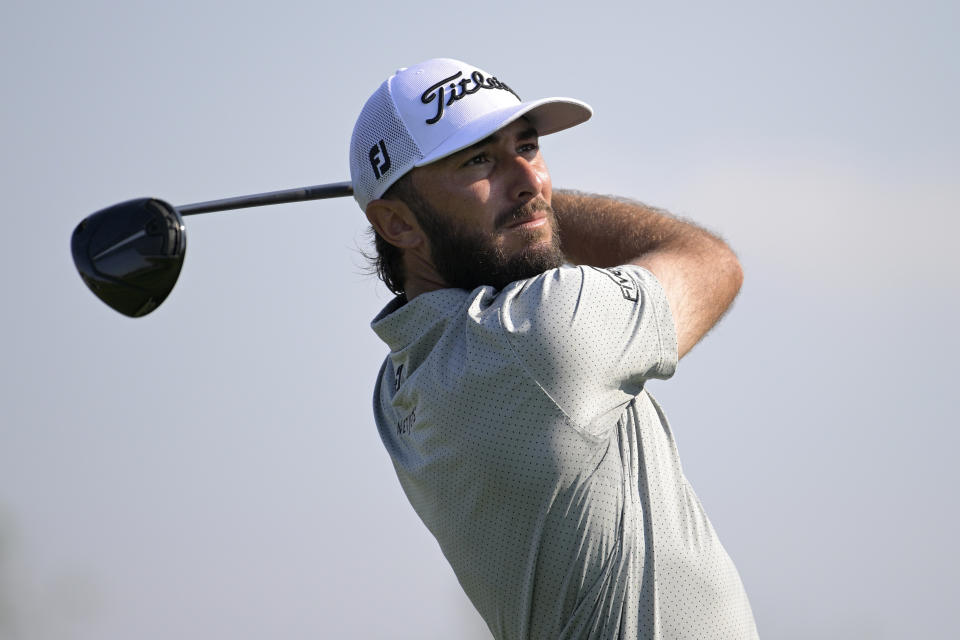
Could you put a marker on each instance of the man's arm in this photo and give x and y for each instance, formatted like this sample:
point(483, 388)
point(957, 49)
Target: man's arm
point(699, 272)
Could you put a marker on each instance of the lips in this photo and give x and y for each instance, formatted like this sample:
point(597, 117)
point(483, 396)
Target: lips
point(531, 212)
point(535, 216)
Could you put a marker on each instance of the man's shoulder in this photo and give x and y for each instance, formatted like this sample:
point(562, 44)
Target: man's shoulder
point(565, 289)
point(554, 297)
point(623, 278)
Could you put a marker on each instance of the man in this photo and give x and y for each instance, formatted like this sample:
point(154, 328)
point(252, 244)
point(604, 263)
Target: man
point(512, 402)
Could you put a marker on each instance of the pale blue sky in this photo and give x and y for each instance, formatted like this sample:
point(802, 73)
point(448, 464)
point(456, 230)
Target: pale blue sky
point(212, 470)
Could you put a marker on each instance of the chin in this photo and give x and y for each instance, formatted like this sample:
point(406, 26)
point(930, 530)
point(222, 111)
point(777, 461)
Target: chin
point(532, 240)
point(467, 260)
point(536, 259)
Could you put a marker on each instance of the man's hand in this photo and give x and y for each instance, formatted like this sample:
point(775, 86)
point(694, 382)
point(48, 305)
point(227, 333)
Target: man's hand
point(700, 273)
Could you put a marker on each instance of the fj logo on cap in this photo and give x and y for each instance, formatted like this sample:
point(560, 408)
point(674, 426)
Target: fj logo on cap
point(379, 159)
point(438, 92)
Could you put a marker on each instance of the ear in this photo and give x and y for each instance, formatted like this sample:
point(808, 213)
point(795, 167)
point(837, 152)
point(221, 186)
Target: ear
point(395, 223)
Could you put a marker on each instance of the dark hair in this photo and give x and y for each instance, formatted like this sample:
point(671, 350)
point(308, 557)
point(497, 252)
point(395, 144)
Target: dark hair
point(388, 261)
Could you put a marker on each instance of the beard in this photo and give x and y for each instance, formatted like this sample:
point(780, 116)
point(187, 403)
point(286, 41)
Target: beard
point(466, 258)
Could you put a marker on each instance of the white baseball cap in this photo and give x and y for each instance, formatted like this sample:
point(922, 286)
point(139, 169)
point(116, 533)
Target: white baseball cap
point(431, 110)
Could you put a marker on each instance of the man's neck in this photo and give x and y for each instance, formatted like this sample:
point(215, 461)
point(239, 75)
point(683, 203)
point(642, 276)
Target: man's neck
point(415, 286)
point(420, 277)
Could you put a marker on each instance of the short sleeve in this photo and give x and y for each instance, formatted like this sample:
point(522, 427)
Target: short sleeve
point(590, 337)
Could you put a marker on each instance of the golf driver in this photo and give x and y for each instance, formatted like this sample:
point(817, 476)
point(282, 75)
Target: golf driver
point(130, 254)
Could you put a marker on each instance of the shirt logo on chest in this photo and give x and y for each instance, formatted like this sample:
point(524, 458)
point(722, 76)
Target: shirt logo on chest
point(396, 380)
point(405, 425)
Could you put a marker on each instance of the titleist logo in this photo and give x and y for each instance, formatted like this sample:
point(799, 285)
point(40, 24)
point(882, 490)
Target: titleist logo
point(459, 91)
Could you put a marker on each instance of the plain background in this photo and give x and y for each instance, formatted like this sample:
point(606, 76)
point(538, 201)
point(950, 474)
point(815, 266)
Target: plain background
point(213, 471)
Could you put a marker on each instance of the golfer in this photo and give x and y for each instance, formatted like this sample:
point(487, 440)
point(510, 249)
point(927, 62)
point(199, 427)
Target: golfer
point(526, 323)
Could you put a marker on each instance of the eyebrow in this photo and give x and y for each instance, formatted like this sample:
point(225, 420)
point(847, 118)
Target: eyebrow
point(529, 132)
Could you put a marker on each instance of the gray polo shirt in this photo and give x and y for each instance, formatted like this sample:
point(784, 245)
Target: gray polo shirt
point(521, 432)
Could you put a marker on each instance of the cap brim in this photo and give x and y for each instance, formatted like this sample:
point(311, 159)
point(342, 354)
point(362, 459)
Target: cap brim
point(547, 115)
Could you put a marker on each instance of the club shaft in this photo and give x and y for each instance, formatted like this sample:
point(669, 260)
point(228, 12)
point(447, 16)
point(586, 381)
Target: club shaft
point(316, 192)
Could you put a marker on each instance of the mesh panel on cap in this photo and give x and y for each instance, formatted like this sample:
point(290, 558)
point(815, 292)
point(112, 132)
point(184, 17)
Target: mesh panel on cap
point(379, 121)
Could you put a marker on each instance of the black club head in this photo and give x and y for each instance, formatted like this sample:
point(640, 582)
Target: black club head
point(130, 254)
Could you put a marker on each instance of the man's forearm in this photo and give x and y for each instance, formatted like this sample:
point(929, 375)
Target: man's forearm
point(700, 273)
point(603, 231)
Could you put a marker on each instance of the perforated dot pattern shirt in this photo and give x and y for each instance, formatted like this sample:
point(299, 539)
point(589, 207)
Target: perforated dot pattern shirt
point(520, 430)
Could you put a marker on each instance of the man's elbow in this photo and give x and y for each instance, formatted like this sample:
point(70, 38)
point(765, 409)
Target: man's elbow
point(728, 272)
point(734, 272)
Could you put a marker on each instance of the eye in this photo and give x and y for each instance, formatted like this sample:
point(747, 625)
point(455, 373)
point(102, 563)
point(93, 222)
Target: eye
point(480, 158)
point(529, 147)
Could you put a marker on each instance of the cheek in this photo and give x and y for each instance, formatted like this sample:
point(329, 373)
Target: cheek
point(469, 206)
point(479, 193)
point(475, 205)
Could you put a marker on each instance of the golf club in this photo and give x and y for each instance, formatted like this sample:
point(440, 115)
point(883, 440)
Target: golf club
point(130, 254)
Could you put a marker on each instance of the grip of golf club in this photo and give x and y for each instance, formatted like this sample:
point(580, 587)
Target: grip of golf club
point(316, 192)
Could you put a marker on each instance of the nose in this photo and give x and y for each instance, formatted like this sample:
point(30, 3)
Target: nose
point(526, 180)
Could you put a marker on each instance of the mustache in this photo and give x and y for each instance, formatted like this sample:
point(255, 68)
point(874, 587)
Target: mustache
point(522, 212)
